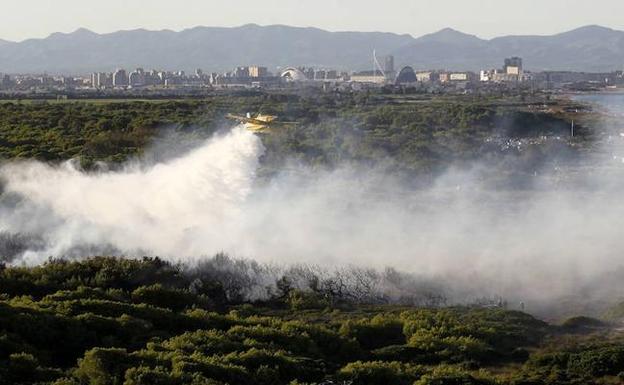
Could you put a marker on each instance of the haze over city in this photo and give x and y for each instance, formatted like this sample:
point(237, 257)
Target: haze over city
point(25, 19)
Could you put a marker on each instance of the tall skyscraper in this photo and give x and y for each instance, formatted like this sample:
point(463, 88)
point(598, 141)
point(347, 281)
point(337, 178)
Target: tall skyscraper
point(389, 68)
point(389, 64)
point(137, 77)
point(100, 79)
point(120, 78)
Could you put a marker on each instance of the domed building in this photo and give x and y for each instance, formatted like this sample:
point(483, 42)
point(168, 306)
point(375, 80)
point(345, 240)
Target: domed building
point(406, 76)
point(293, 75)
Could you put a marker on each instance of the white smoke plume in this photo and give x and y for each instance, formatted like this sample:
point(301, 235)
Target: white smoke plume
point(169, 208)
point(543, 244)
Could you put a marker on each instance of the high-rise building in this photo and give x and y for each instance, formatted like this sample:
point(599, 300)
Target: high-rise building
point(241, 72)
point(309, 73)
point(331, 75)
point(258, 72)
point(120, 79)
point(320, 74)
point(389, 68)
point(137, 78)
point(152, 78)
point(46, 80)
point(389, 64)
point(68, 81)
point(513, 66)
point(106, 79)
point(101, 79)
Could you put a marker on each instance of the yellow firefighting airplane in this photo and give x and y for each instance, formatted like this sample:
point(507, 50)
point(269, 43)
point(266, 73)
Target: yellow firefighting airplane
point(259, 123)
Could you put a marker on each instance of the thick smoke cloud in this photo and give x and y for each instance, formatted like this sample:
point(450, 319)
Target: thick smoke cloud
point(559, 239)
point(160, 209)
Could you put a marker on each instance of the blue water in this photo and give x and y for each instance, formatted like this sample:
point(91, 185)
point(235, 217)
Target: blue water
point(613, 103)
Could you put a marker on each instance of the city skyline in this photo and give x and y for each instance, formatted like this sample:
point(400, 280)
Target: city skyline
point(486, 19)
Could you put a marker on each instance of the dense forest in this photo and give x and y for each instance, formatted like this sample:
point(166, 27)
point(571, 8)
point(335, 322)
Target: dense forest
point(116, 321)
point(415, 134)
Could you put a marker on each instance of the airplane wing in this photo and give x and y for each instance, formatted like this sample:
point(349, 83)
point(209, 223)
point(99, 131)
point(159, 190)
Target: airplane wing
point(266, 118)
point(243, 119)
point(260, 123)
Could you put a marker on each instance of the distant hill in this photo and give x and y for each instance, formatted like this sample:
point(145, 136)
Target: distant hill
point(591, 48)
point(213, 49)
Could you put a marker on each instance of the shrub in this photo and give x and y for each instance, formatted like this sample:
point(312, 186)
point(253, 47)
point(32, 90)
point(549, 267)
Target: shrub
point(306, 300)
point(403, 353)
point(148, 376)
point(207, 342)
point(160, 296)
point(274, 338)
point(375, 333)
point(210, 368)
point(103, 366)
point(445, 375)
point(576, 323)
point(288, 368)
point(328, 342)
point(380, 373)
point(24, 368)
point(597, 362)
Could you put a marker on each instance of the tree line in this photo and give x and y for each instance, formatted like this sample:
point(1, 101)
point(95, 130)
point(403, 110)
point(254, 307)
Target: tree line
point(414, 134)
point(145, 321)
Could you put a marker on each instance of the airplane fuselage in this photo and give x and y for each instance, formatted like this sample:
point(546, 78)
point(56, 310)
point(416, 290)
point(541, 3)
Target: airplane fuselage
point(259, 123)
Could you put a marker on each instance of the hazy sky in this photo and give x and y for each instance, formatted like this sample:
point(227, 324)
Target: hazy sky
point(21, 19)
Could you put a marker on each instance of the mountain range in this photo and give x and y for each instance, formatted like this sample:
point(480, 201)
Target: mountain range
point(590, 48)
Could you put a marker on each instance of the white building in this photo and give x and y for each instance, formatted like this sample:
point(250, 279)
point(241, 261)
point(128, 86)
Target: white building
point(425, 77)
point(459, 77)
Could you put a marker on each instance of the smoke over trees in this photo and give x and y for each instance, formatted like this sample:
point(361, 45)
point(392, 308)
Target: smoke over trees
point(385, 196)
point(381, 240)
point(139, 321)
